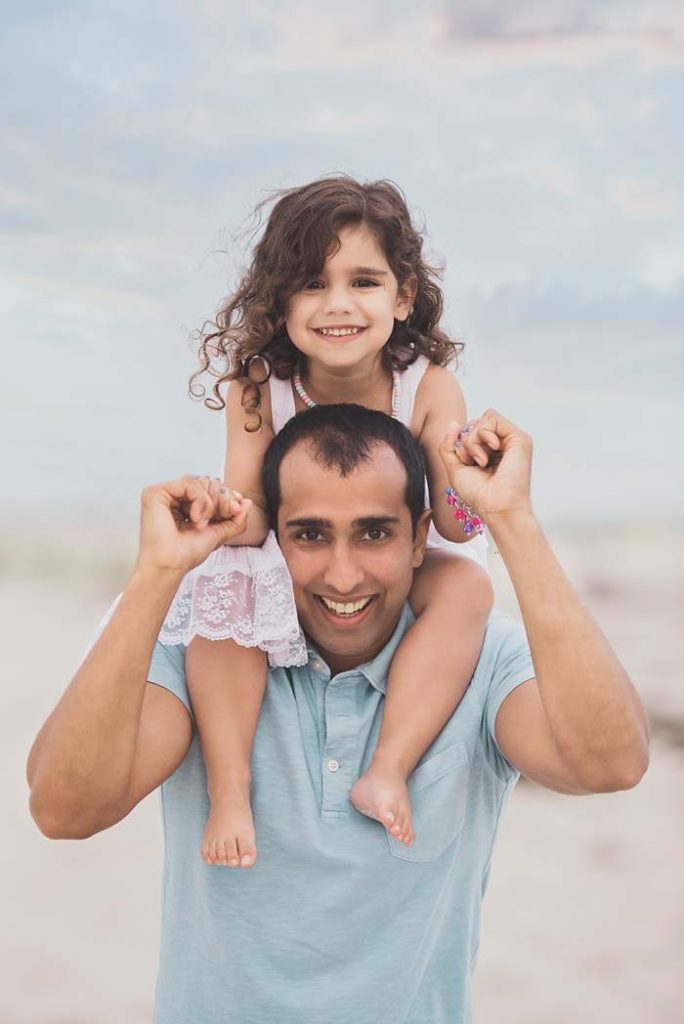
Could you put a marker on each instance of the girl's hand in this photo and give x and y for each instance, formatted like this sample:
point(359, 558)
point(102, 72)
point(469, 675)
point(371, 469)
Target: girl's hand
point(184, 520)
point(489, 464)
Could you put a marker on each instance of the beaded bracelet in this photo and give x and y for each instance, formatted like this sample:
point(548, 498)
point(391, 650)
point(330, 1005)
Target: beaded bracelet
point(466, 515)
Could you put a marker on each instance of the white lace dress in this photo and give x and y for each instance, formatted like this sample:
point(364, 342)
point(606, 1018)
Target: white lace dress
point(245, 593)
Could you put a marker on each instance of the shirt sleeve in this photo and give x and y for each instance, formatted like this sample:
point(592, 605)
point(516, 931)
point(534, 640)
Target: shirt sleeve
point(510, 666)
point(167, 669)
point(167, 665)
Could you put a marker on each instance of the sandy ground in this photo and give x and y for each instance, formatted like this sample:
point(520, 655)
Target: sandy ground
point(584, 918)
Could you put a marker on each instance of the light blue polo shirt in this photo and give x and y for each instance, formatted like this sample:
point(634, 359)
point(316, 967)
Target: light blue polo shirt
point(337, 923)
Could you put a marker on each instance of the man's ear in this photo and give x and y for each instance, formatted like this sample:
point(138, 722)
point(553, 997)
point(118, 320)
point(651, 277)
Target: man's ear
point(420, 539)
point(406, 296)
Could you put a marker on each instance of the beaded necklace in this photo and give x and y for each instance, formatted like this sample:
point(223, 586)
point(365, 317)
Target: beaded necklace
point(310, 404)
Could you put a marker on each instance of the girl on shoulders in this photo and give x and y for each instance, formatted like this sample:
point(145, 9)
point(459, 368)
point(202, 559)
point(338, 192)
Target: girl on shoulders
point(337, 305)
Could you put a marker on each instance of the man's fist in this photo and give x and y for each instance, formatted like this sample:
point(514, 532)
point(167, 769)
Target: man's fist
point(489, 463)
point(183, 521)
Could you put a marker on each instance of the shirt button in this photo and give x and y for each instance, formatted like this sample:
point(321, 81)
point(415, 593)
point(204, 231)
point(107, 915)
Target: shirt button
point(333, 766)
point(317, 665)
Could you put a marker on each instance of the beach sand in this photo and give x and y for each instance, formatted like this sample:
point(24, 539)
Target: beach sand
point(583, 920)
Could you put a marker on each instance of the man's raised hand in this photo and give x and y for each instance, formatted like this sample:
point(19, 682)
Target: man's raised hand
point(488, 463)
point(183, 521)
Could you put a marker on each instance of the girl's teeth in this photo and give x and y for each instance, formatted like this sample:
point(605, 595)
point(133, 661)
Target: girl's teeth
point(339, 333)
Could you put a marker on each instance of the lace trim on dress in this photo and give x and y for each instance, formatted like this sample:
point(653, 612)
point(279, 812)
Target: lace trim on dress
point(242, 594)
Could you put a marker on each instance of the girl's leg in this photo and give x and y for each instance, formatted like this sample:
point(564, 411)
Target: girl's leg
point(226, 683)
point(452, 598)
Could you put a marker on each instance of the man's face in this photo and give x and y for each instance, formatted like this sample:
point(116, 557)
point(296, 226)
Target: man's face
point(349, 547)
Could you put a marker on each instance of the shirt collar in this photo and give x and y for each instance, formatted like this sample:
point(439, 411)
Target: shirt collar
point(377, 670)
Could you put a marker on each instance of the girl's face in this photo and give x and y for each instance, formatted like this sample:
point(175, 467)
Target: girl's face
point(345, 316)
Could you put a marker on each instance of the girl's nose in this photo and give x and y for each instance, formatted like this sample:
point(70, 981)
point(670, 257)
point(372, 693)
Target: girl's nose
point(339, 300)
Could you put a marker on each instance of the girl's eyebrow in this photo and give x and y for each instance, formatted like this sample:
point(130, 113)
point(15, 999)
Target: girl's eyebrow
point(370, 270)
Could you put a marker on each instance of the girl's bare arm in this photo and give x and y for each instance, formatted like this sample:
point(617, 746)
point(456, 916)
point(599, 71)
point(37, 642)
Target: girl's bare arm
point(245, 450)
point(439, 401)
point(451, 597)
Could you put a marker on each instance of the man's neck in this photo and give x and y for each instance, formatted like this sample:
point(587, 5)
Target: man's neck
point(338, 663)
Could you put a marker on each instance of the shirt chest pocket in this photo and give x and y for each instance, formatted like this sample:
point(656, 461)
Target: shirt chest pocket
point(438, 790)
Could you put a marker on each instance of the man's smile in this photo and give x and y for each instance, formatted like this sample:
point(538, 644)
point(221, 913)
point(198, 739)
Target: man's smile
point(351, 612)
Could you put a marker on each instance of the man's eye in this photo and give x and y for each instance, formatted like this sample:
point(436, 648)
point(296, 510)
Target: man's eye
point(310, 535)
point(376, 533)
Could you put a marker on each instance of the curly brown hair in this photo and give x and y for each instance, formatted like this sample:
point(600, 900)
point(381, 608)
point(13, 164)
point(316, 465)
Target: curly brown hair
point(302, 231)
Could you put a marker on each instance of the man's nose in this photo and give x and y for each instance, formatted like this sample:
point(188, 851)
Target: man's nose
point(343, 573)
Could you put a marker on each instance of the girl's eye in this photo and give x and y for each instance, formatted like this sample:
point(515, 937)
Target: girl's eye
point(360, 282)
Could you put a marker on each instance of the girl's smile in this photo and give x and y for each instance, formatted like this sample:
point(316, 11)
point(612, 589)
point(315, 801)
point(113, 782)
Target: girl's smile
point(343, 318)
point(344, 331)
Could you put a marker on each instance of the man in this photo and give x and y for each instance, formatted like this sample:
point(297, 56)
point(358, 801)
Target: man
point(338, 922)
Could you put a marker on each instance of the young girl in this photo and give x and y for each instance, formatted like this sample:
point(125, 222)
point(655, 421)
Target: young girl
point(337, 305)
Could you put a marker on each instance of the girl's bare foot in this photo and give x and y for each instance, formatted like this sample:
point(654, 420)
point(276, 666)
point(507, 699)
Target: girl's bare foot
point(229, 837)
point(383, 794)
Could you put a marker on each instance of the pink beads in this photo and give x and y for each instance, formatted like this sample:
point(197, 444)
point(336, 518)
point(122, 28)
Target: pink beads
point(471, 522)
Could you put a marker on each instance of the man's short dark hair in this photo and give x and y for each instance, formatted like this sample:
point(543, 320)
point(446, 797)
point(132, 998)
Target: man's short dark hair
point(341, 437)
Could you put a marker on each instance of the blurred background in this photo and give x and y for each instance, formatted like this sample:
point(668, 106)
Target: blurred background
point(540, 145)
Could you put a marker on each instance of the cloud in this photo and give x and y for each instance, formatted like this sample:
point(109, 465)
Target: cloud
point(561, 307)
point(662, 267)
point(572, 33)
point(551, 174)
point(529, 19)
point(478, 36)
point(642, 200)
point(647, 107)
point(584, 112)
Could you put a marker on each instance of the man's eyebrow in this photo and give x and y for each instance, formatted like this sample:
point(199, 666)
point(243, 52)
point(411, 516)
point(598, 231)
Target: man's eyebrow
point(368, 522)
point(365, 522)
point(309, 522)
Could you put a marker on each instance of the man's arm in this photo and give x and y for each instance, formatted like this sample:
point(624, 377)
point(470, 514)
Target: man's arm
point(578, 727)
point(112, 738)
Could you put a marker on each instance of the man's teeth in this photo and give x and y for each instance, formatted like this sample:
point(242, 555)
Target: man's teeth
point(346, 609)
point(339, 332)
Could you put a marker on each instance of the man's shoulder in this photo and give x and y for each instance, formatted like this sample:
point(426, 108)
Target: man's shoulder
point(505, 653)
point(505, 663)
point(502, 629)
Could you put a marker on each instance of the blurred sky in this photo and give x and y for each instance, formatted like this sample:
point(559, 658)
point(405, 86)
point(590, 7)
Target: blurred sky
point(540, 142)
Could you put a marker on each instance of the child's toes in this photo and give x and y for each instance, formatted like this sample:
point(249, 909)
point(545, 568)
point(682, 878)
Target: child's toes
point(247, 852)
point(232, 854)
point(409, 834)
point(387, 819)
